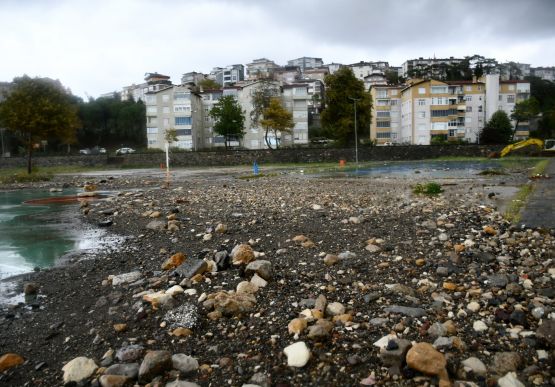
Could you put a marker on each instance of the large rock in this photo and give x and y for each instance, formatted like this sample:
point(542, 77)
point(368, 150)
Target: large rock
point(191, 268)
point(10, 360)
point(130, 353)
point(406, 310)
point(79, 370)
point(504, 362)
point(130, 370)
point(509, 380)
point(30, 288)
point(115, 381)
point(242, 254)
point(425, 358)
point(155, 363)
point(174, 261)
point(297, 354)
point(230, 303)
point(475, 365)
point(156, 225)
point(125, 278)
point(261, 267)
point(546, 332)
point(184, 363)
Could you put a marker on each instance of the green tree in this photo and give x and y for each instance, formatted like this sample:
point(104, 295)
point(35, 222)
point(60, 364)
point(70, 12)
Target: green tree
point(37, 109)
point(229, 118)
point(261, 96)
point(277, 120)
point(524, 111)
point(209, 84)
point(338, 117)
point(498, 129)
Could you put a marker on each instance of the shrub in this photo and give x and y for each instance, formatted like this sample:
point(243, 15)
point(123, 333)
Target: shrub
point(428, 189)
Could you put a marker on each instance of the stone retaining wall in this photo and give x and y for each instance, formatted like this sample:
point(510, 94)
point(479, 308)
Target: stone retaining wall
point(242, 157)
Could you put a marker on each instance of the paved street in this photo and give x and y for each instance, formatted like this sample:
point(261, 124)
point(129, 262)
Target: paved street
point(540, 209)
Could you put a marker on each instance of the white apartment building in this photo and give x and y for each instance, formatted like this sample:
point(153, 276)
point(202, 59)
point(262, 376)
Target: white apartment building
point(153, 82)
point(261, 69)
point(453, 110)
point(545, 73)
point(306, 63)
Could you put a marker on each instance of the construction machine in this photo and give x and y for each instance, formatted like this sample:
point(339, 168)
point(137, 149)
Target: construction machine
point(547, 147)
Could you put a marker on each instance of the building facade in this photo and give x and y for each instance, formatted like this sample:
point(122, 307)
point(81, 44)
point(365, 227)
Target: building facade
point(153, 82)
point(261, 69)
point(305, 63)
point(545, 73)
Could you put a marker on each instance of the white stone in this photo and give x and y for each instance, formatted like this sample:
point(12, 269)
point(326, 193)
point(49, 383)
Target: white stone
point(509, 380)
point(382, 343)
point(190, 292)
point(297, 354)
point(125, 278)
point(258, 281)
point(335, 308)
point(475, 365)
point(372, 248)
point(542, 354)
point(316, 207)
point(184, 363)
point(443, 237)
point(473, 306)
point(174, 290)
point(479, 326)
point(79, 369)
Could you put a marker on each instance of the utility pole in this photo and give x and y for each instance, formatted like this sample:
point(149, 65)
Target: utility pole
point(355, 100)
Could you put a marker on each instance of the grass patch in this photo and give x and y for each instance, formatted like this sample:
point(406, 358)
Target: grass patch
point(512, 214)
point(24, 177)
point(430, 189)
point(540, 167)
point(258, 176)
point(491, 172)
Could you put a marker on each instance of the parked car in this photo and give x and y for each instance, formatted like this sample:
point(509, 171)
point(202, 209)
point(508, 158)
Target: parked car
point(124, 151)
point(102, 151)
point(85, 151)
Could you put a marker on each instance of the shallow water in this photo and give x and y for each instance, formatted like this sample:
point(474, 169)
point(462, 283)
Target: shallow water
point(424, 169)
point(38, 235)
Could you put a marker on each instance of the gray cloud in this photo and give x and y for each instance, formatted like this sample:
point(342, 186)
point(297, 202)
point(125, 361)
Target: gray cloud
point(99, 46)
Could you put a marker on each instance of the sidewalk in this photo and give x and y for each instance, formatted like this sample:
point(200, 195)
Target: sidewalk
point(539, 211)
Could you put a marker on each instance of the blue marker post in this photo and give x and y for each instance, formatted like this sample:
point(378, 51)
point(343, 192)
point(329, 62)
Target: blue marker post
point(255, 168)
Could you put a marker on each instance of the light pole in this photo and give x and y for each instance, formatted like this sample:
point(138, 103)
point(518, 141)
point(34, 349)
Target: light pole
point(356, 135)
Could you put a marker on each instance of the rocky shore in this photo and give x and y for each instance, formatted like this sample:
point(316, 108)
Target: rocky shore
point(291, 281)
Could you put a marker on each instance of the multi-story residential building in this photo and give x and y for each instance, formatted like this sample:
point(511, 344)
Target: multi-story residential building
point(261, 69)
point(386, 116)
point(454, 110)
point(317, 73)
point(192, 78)
point(305, 63)
point(514, 70)
point(333, 67)
point(295, 98)
point(364, 69)
point(153, 82)
point(421, 67)
point(175, 107)
point(287, 74)
point(228, 75)
point(545, 73)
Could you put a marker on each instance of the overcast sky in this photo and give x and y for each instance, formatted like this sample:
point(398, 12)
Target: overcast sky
point(97, 46)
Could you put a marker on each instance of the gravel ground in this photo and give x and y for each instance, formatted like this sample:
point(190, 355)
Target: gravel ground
point(346, 262)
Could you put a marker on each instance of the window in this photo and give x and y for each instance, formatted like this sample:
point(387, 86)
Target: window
point(468, 120)
point(381, 93)
point(421, 114)
point(151, 109)
point(383, 124)
point(421, 102)
point(152, 142)
point(480, 109)
point(468, 88)
point(439, 90)
point(183, 132)
point(452, 132)
point(440, 101)
point(181, 109)
point(393, 92)
point(511, 87)
point(181, 95)
point(186, 144)
point(382, 102)
point(469, 109)
point(439, 126)
point(453, 123)
point(468, 98)
point(183, 120)
point(383, 135)
point(511, 98)
point(299, 91)
point(166, 110)
point(444, 113)
point(500, 98)
point(393, 102)
point(421, 90)
point(383, 113)
point(150, 99)
point(165, 98)
point(152, 130)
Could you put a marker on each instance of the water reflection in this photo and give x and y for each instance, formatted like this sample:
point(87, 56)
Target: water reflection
point(37, 235)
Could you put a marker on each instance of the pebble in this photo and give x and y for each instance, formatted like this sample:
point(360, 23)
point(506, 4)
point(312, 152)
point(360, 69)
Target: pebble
point(509, 380)
point(297, 354)
point(473, 306)
point(406, 310)
point(79, 370)
point(155, 363)
point(335, 308)
point(479, 326)
point(425, 358)
point(184, 363)
point(475, 365)
point(10, 360)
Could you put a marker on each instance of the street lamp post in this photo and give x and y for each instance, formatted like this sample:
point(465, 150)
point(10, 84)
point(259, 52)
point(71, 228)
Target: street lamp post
point(356, 134)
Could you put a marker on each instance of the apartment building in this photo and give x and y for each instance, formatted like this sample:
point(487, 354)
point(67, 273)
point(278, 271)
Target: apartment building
point(296, 99)
point(364, 69)
point(287, 74)
point(153, 82)
point(305, 63)
point(175, 107)
point(454, 110)
point(386, 116)
point(192, 78)
point(420, 65)
point(545, 73)
point(261, 69)
point(317, 73)
point(228, 75)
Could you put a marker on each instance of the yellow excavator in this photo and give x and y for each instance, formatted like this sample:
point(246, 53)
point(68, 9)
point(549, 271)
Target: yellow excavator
point(547, 147)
